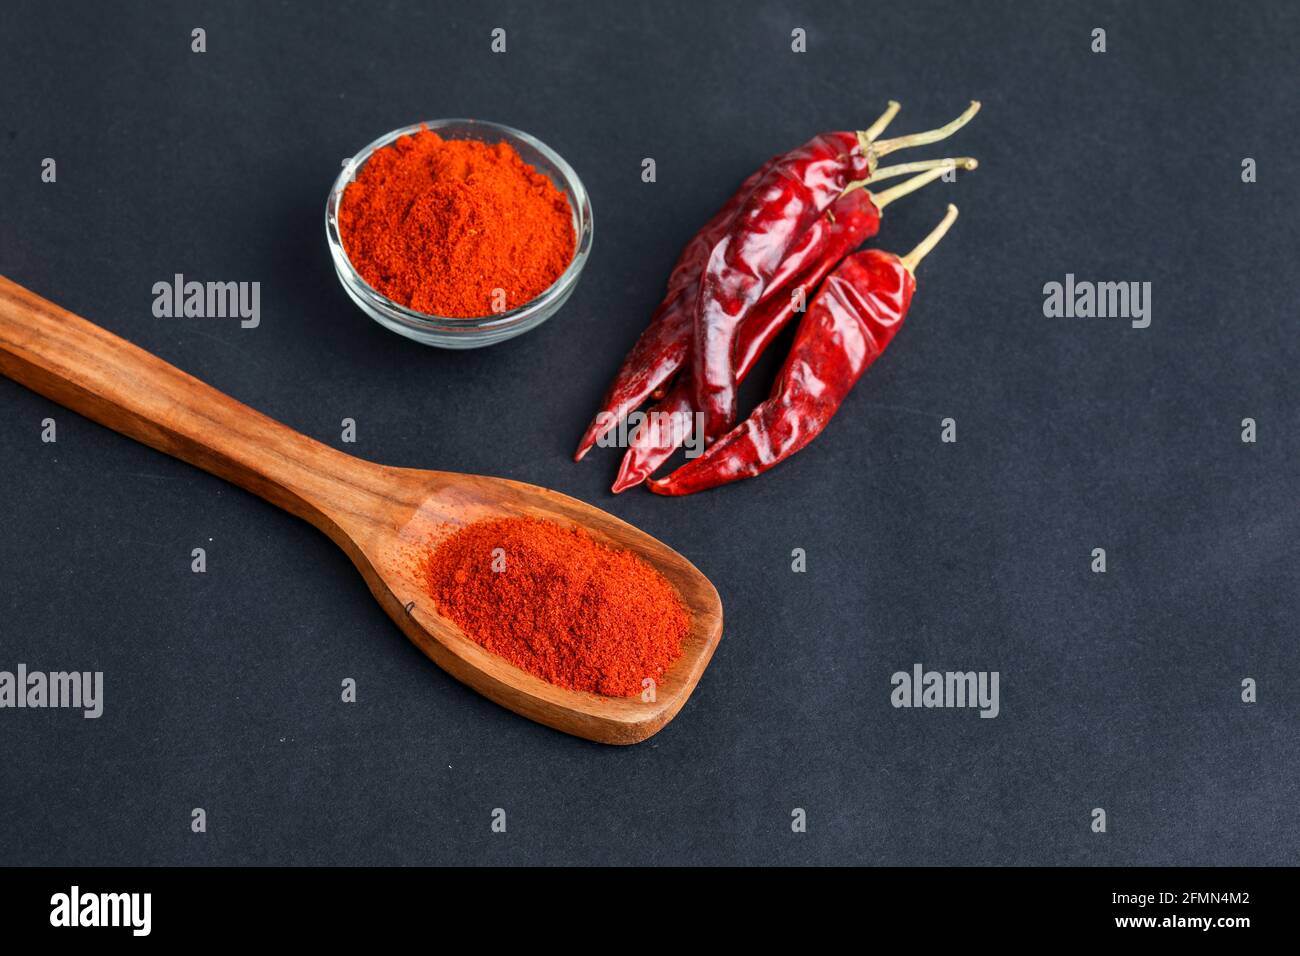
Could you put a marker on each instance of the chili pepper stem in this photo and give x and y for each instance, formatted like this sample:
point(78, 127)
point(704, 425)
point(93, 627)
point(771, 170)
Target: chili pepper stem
point(885, 197)
point(887, 146)
point(902, 169)
point(913, 258)
point(878, 127)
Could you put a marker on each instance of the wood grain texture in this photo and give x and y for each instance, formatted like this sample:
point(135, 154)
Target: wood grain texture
point(383, 518)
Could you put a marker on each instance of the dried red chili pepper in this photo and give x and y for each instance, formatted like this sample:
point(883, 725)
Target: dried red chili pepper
point(854, 316)
point(851, 220)
point(661, 349)
point(788, 199)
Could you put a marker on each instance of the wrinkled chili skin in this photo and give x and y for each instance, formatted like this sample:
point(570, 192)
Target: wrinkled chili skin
point(855, 315)
point(850, 221)
point(663, 346)
point(788, 199)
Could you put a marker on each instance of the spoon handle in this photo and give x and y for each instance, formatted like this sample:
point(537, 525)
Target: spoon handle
point(92, 371)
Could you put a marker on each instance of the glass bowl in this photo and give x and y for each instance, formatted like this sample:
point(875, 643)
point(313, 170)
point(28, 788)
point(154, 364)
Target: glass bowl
point(466, 333)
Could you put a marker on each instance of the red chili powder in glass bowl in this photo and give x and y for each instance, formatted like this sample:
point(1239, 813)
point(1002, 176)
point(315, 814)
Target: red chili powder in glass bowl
point(455, 228)
point(559, 604)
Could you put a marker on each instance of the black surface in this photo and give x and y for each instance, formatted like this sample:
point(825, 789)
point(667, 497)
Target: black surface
point(1118, 691)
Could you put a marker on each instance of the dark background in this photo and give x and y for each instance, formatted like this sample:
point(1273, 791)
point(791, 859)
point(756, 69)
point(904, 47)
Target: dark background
point(1119, 690)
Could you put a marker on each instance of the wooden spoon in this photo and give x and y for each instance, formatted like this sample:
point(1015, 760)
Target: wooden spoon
point(384, 518)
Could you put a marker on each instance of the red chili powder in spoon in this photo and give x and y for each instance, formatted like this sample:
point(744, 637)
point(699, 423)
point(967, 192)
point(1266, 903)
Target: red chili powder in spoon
point(555, 602)
point(440, 225)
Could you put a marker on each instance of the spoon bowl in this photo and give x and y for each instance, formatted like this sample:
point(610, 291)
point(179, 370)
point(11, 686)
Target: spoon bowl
point(424, 507)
